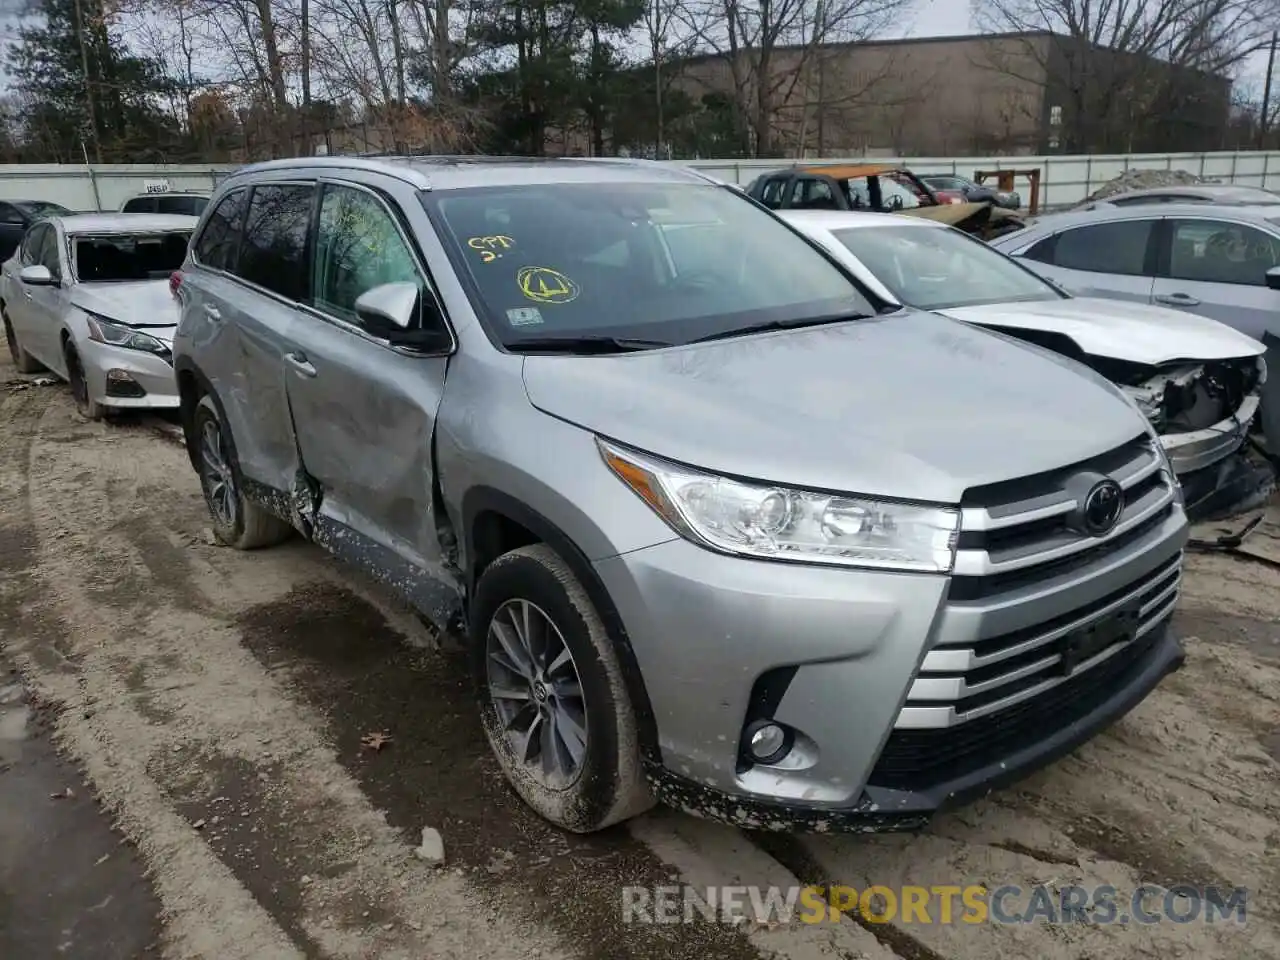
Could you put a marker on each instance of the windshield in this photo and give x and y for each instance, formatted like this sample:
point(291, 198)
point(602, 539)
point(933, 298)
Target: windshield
point(935, 268)
point(655, 262)
point(893, 195)
point(112, 258)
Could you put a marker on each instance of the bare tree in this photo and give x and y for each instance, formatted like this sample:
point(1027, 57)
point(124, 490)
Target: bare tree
point(768, 48)
point(1116, 67)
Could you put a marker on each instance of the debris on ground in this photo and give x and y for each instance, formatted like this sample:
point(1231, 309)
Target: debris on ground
point(375, 741)
point(65, 794)
point(1135, 179)
point(432, 848)
point(43, 382)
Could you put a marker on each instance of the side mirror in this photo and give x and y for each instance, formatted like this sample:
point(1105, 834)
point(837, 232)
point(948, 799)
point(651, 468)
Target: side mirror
point(389, 310)
point(37, 275)
point(1273, 278)
point(388, 307)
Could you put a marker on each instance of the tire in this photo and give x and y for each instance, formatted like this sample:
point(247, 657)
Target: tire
point(21, 359)
point(237, 521)
point(87, 407)
point(607, 784)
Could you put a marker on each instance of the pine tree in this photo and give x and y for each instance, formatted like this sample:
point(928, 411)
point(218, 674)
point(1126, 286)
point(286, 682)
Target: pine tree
point(82, 92)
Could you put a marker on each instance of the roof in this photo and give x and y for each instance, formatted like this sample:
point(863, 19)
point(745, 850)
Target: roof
point(847, 219)
point(450, 172)
point(125, 222)
point(849, 171)
point(1235, 194)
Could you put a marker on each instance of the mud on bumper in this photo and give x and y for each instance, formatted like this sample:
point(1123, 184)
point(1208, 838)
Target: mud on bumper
point(964, 763)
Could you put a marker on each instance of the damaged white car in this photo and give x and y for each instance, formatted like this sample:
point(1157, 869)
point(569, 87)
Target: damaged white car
point(87, 296)
point(1197, 380)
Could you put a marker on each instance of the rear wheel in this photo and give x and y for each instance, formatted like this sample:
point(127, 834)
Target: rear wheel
point(553, 701)
point(89, 408)
point(237, 521)
point(21, 359)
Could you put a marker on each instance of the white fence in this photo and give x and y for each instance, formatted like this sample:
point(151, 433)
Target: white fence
point(1063, 180)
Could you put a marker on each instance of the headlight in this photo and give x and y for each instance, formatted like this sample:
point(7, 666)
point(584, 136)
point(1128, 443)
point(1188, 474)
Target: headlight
point(777, 523)
point(118, 335)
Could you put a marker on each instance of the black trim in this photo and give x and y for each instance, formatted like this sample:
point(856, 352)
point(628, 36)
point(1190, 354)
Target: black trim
point(881, 810)
point(482, 499)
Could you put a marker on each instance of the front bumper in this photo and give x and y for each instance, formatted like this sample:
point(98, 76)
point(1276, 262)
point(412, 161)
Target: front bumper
point(152, 374)
point(1094, 703)
point(1193, 451)
point(863, 665)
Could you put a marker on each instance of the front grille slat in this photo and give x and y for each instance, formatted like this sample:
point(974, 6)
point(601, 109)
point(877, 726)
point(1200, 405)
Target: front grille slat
point(1015, 547)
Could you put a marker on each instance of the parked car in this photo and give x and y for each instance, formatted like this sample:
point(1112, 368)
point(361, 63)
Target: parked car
point(17, 215)
point(1218, 193)
point(1197, 380)
point(725, 526)
point(972, 192)
point(188, 203)
point(87, 297)
point(1218, 261)
point(879, 188)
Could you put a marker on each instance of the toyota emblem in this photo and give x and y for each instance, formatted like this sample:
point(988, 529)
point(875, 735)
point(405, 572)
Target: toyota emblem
point(1101, 508)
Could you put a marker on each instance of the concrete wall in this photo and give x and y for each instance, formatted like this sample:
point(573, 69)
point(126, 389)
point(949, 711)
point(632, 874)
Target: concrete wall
point(1064, 180)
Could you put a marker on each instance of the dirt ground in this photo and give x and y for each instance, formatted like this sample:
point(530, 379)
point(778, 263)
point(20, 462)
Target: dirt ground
point(214, 703)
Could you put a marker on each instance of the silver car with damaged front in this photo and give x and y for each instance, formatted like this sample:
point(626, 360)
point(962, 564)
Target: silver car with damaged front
point(88, 298)
point(722, 525)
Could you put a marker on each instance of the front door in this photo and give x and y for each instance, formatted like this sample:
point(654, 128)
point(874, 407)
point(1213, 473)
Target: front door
point(1114, 259)
point(44, 307)
point(1218, 268)
point(364, 411)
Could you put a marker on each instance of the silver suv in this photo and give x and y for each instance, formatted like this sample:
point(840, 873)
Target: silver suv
point(724, 528)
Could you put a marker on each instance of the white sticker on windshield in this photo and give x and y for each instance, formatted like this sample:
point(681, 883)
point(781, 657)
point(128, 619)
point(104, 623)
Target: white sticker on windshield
point(524, 316)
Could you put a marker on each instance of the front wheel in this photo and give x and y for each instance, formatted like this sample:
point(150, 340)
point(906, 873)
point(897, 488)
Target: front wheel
point(553, 700)
point(237, 521)
point(87, 407)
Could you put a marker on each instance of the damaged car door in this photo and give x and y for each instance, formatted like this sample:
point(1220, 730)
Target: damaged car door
point(363, 398)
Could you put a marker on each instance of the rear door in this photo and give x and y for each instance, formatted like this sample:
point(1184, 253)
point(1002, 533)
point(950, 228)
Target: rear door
point(364, 410)
point(238, 306)
point(1114, 258)
point(1217, 268)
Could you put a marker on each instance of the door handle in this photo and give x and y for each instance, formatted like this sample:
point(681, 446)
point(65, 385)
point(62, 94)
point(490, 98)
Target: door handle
point(1178, 300)
point(212, 312)
point(300, 363)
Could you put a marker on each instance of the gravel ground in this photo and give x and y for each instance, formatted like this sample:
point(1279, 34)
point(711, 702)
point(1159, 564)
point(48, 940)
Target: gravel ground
point(215, 701)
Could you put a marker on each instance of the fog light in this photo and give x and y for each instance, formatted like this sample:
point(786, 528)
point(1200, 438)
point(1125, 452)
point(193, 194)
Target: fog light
point(767, 742)
point(121, 384)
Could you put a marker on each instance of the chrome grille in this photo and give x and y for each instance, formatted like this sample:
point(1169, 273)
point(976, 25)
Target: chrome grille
point(1033, 602)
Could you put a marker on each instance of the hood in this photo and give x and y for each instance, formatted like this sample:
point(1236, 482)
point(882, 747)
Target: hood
point(1118, 329)
point(949, 213)
point(135, 303)
point(911, 405)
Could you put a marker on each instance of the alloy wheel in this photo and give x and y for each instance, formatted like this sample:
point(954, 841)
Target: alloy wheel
point(219, 482)
point(537, 693)
point(75, 378)
point(11, 340)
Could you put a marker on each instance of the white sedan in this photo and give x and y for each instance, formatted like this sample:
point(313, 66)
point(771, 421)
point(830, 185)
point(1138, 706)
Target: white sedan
point(1197, 380)
point(88, 297)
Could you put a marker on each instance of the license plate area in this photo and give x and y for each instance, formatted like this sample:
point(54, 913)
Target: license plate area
point(1080, 646)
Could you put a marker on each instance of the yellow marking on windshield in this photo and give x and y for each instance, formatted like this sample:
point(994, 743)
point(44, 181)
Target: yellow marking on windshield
point(488, 247)
point(544, 285)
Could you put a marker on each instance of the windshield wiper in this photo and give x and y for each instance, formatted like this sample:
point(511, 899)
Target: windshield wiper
point(585, 344)
point(771, 325)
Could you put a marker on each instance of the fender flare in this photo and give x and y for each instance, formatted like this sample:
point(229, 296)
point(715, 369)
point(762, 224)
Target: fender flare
point(482, 499)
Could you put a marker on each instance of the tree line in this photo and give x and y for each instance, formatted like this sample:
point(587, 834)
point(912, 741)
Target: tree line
point(188, 80)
